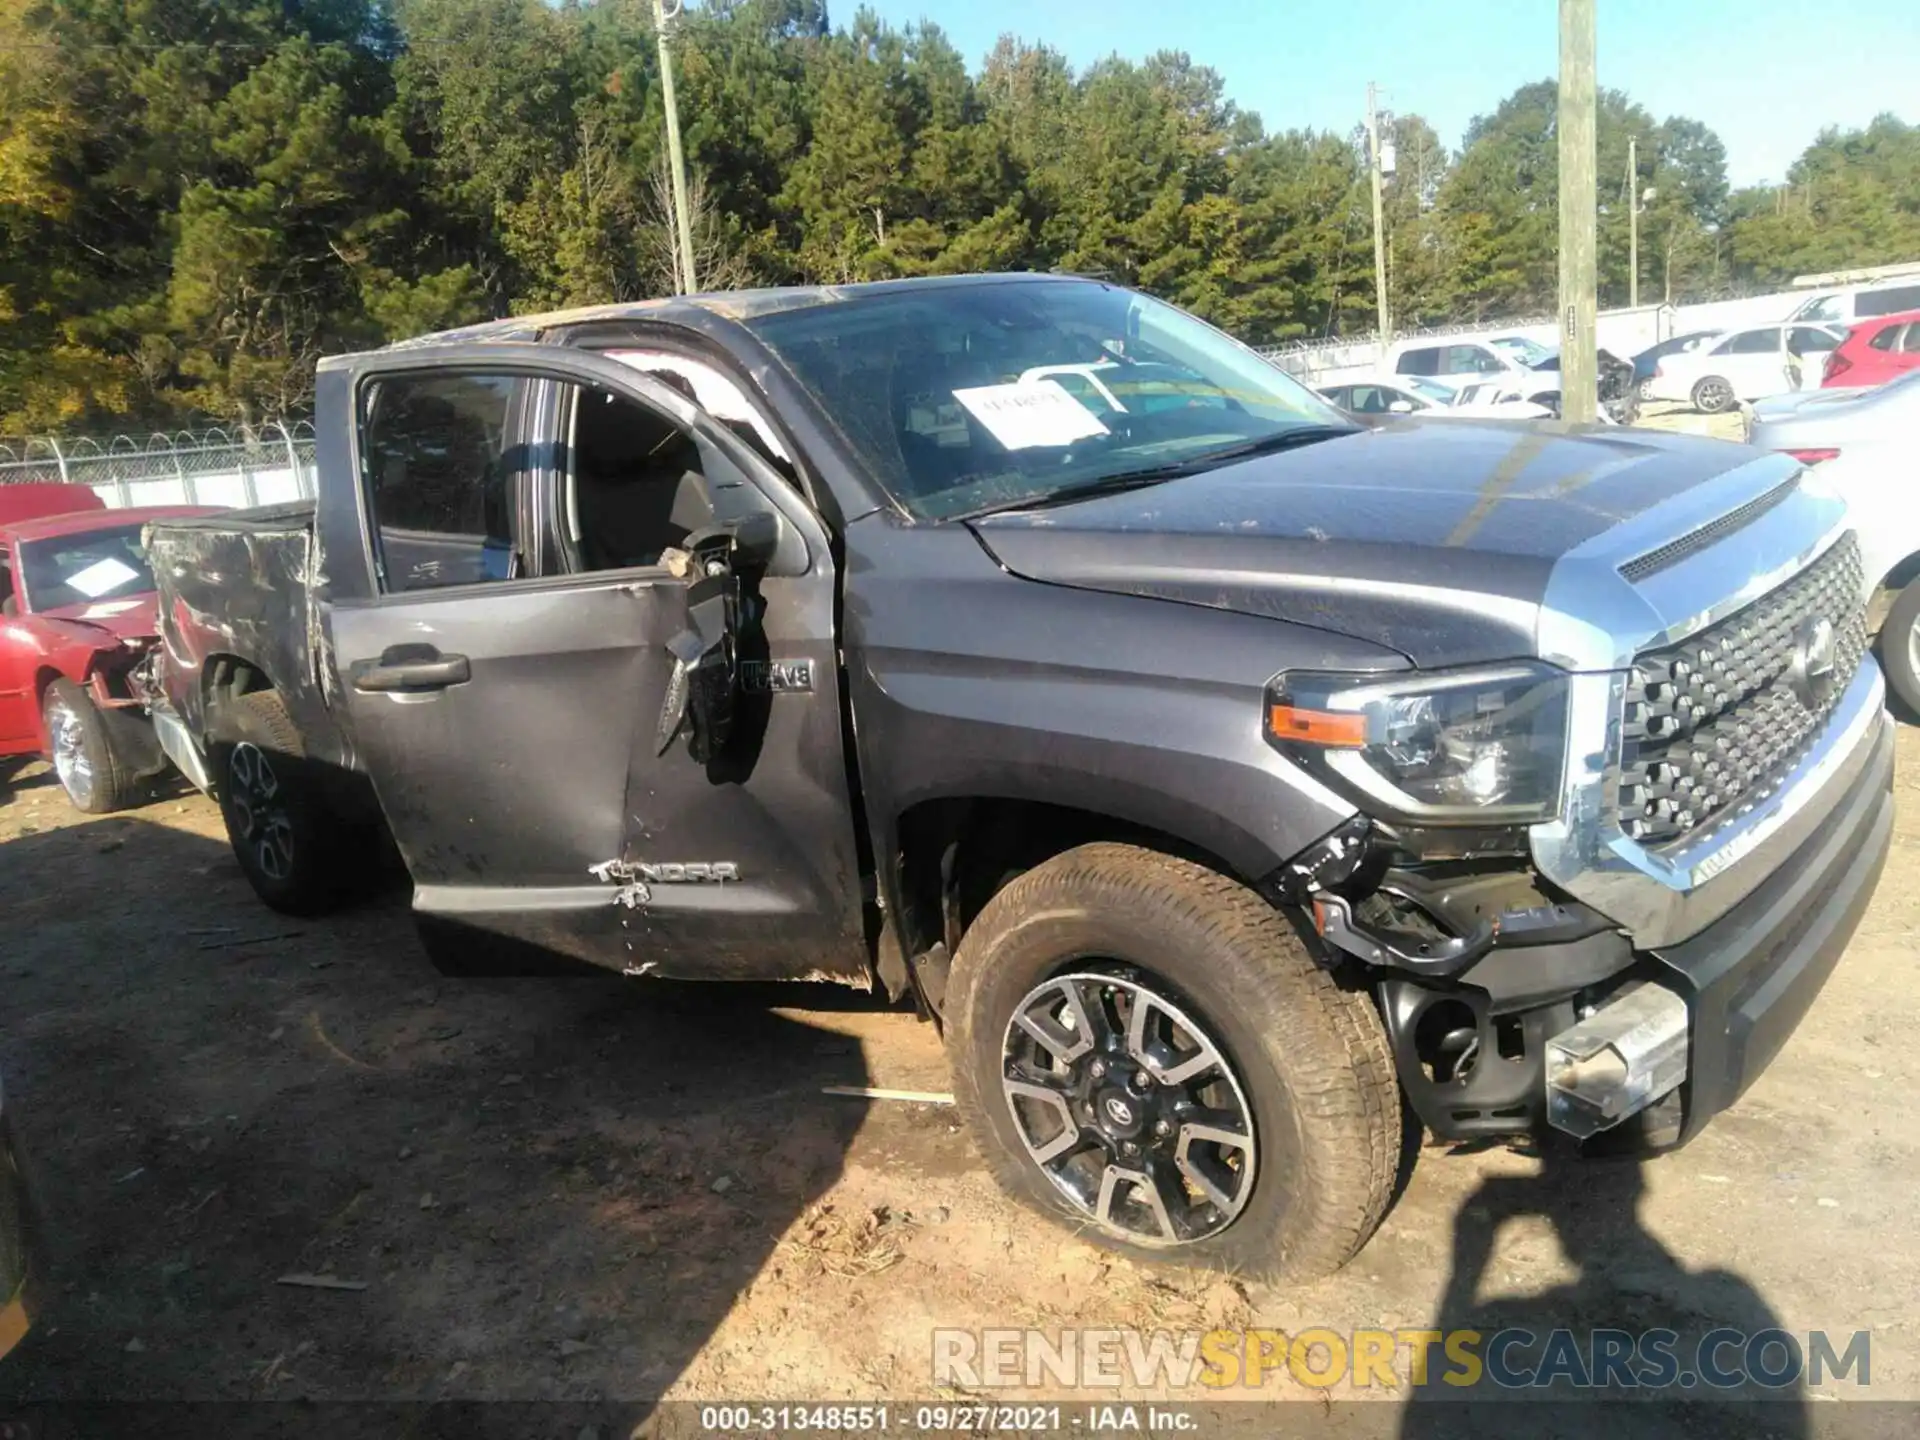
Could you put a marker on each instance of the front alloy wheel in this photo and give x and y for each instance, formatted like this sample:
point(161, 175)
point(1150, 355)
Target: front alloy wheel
point(67, 738)
point(1129, 1107)
point(259, 811)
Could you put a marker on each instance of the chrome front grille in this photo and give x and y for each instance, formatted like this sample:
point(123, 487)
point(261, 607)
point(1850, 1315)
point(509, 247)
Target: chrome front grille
point(1711, 723)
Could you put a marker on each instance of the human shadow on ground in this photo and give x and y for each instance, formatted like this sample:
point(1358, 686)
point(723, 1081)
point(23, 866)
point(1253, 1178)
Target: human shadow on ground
point(1552, 1377)
point(523, 1206)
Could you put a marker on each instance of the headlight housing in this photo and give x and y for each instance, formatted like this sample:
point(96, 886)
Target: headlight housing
point(1479, 746)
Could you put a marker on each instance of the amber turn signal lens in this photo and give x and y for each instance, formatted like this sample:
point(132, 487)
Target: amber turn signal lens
point(1317, 727)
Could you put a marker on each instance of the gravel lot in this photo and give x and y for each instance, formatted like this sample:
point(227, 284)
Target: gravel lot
point(606, 1191)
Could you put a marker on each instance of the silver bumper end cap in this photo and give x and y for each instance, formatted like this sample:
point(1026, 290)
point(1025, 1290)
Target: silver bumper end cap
point(1617, 1061)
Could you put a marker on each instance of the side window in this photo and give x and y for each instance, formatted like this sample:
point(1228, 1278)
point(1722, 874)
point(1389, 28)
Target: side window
point(1368, 400)
point(1810, 340)
point(635, 486)
point(1751, 342)
point(437, 479)
point(1425, 361)
point(1888, 302)
point(1827, 307)
point(1474, 360)
point(1887, 337)
point(1911, 346)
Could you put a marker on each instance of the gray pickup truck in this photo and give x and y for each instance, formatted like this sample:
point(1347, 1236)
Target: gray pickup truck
point(1222, 777)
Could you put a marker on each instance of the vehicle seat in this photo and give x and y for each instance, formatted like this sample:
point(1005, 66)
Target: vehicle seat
point(638, 486)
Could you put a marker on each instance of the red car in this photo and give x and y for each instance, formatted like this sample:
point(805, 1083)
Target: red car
point(1876, 351)
point(76, 615)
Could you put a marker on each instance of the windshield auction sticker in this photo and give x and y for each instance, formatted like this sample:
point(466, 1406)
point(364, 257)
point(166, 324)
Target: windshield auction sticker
point(97, 579)
point(1031, 414)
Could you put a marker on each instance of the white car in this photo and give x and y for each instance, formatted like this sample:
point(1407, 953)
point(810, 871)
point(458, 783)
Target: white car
point(1745, 365)
point(1455, 363)
point(1412, 395)
point(1862, 443)
point(1860, 302)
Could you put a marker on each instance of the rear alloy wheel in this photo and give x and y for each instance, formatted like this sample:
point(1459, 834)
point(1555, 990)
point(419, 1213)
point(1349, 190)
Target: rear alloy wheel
point(257, 811)
point(84, 760)
point(1129, 1107)
point(1712, 395)
point(295, 851)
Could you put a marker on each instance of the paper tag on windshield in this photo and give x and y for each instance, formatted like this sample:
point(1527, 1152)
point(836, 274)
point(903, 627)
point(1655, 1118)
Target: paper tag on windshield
point(1031, 414)
point(97, 579)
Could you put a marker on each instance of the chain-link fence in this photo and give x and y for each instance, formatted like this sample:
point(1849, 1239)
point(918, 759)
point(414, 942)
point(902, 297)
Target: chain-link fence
point(217, 466)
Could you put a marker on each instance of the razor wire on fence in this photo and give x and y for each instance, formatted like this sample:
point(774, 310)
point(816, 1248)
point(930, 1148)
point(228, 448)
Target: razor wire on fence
point(237, 466)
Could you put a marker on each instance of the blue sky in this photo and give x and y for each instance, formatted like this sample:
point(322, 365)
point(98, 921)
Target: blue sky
point(1765, 74)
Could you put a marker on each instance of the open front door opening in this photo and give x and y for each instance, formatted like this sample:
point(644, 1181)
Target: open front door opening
point(553, 551)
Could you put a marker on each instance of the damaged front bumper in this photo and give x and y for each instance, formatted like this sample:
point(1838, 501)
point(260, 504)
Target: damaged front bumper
point(1514, 1028)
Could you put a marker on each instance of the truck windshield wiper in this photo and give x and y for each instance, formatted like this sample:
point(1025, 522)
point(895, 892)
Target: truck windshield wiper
point(1155, 474)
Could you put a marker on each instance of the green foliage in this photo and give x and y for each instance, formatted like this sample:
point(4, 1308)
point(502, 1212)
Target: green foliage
point(199, 197)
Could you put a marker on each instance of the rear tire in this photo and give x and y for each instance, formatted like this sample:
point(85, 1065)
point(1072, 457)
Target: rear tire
point(97, 778)
point(1900, 650)
point(1306, 1061)
point(1712, 394)
point(291, 846)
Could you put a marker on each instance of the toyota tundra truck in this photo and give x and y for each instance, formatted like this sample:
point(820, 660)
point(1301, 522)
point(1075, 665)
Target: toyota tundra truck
point(1225, 780)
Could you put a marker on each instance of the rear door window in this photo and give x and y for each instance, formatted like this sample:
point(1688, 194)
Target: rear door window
point(1751, 342)
point(438, 478)
point(1811, 340)
point(1911, 345)
point(1887, 337)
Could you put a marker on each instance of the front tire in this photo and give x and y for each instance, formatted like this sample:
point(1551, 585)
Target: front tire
point(1712, 394)
point(1223, 1101)
point(290, 844)
point(1900, 649)
point(94, 774)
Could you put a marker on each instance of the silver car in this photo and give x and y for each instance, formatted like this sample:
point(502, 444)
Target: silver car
point(1866, 445)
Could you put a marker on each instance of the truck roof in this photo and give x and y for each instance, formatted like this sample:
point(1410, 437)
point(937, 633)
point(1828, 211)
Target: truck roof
point(728, 304)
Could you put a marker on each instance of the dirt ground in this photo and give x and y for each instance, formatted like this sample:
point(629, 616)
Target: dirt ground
point(611, 1190)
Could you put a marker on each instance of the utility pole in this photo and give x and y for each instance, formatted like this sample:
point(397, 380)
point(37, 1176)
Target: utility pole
point(1633, 222)
point(1379, 221)
point(1579, 210)
point(665, 11)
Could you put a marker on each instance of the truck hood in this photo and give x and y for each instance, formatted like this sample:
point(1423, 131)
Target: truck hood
point(126, 617)
point(1436, 538)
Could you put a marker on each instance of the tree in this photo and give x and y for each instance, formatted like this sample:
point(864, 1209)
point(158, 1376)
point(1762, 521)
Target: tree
point(196, 199)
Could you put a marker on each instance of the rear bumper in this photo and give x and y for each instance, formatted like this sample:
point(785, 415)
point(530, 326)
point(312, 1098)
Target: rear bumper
point(1750, 976)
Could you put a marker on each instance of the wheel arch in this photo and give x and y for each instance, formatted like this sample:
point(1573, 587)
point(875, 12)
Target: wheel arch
point(226, 677)
point(952, 854)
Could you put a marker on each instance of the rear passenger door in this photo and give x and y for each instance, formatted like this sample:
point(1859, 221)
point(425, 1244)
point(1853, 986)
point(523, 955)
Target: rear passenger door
point(509, 677)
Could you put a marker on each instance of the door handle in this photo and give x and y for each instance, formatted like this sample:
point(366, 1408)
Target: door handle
point(408, 669)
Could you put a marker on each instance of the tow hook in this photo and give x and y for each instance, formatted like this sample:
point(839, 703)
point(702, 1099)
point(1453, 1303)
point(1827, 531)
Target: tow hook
point(1443, 959)
point(1333, 918)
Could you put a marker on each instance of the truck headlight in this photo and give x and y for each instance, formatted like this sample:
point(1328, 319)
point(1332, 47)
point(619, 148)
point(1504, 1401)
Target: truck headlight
point(1466, 746)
